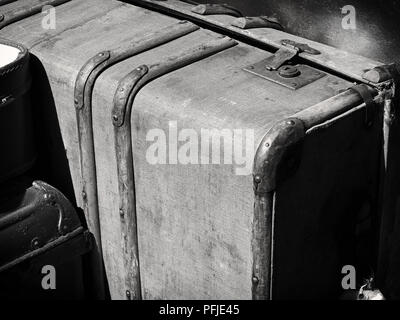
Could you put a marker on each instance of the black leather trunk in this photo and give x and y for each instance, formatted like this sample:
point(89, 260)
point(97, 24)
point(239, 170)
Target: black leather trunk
point(16, 130)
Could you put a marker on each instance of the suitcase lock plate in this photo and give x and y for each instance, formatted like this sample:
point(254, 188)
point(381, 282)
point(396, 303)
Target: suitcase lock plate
point(290, 76)
point(279, 69)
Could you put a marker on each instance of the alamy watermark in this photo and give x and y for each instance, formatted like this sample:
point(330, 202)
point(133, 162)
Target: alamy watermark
point(49, 21)
point(49, 278)
point(349, 280)
point(203, 147)
point(349, 21)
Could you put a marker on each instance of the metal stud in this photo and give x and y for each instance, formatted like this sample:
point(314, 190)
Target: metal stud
point(35, 243)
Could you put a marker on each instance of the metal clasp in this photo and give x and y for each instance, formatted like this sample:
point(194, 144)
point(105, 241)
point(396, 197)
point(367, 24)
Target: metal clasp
point(278, 69)
point(287, 52)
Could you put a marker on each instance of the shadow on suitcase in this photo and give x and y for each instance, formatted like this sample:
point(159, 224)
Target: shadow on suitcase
point(45, 233)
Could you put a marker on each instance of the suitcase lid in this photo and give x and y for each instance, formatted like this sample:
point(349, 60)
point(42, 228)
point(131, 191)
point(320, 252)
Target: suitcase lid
point(228, 22)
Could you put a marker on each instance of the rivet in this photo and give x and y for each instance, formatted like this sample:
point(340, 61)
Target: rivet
point(255, 280)
point(267, 145)
point(101, 54)
point(49, 198)
point(121, 212)
point(84, 195)
point(35, 243)
point(257, 179)
point(115, 117)
point(128, 294)
point(121, 90)
point(291, 123)
point(76, 101)
point(289, 71)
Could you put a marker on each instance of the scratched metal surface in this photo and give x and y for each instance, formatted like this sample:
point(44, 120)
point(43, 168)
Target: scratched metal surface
point(376, 35)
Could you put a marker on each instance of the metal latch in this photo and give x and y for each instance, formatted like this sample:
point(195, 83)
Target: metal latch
point(286, 53)
point(279, 68)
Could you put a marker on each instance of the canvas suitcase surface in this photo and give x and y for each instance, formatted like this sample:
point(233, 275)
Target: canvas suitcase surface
point(211, 166)
point(40, 229)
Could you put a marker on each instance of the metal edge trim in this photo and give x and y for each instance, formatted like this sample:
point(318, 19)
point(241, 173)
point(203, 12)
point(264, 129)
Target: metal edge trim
point(84, 86)
point(43, 249)
point(123, 103)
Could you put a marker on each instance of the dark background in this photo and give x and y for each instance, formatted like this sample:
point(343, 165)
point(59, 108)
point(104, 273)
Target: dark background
point(377, 35)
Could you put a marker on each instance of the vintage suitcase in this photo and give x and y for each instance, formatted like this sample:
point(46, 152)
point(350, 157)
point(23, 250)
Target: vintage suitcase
point(16, 127)
point(40, 230)
point(214, 158)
